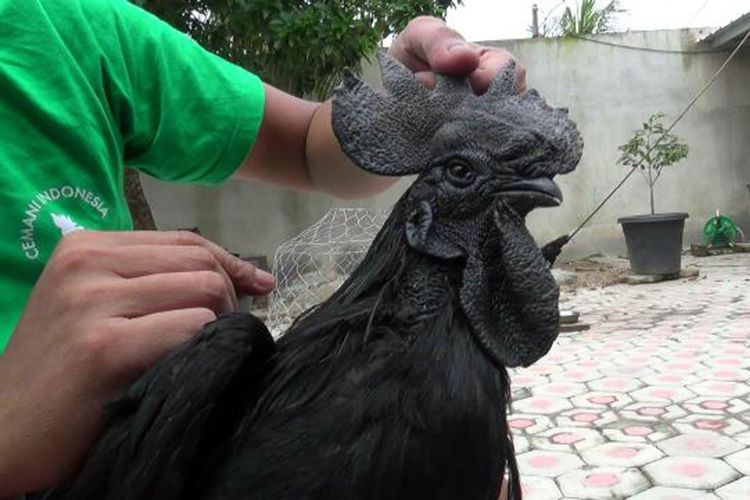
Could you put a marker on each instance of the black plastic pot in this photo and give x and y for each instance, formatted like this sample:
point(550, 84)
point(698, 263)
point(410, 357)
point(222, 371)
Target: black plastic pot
point(654, 242)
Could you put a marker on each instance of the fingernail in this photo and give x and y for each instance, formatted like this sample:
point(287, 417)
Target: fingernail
point(264, 278)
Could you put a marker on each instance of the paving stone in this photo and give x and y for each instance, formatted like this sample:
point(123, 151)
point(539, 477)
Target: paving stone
point(720, 388)
point(677, 354)
point(652, 411)
point(601, 400)
point(628, 431)
point(603, 482)
point(737, 490)
point(690, 472)
point(622, 454)
point(702, 422)
point(700, 444)
point(546, 405)
point(539, 488)
point(547, 463)
point(521, 444)
point(662, 393)
point(664, 493)
point(585, 417)
point(528, 423)
point(559, 389)
point(520, 379)
point(567, 439)
point(740, 461)
point(615, 384)
point(716, 405)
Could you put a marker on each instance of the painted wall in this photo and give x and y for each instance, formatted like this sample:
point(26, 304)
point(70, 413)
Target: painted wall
point(610, 91)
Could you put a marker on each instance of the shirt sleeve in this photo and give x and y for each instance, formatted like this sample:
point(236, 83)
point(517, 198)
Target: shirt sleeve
point(183, 113)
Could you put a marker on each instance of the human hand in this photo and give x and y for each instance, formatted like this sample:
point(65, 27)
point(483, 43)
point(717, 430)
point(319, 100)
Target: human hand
point(106, 308)
point(428, 46)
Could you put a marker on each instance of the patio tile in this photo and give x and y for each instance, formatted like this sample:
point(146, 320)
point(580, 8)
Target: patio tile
point(700, 444)
point(737, 490)
point(615, 384)
point(622, 454)
point(690, 472)
point(674, 394)
point(664, 493)
point(639, 432)
point(559, 389)
point(539, 488)
point(601, 400)
point(718, 423)
point(716, 405)
point(671, 379)
point(720, 388)
point(525, 380)
point(567, 439)
point(652, 411)
point(547, 463)
point(522, 423)
point(740, 461)
point(546, 405)
point(585, 417)
point(730, 373)
point(603, 482)
point(521, 444)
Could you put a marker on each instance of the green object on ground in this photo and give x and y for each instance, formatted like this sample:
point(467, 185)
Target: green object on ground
point(720, 232)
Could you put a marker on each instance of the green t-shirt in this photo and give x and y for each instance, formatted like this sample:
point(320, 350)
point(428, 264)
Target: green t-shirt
point(86, 87)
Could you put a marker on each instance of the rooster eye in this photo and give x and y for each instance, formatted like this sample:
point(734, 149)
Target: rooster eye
point(460, 173)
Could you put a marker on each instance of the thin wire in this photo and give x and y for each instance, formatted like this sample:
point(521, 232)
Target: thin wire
point(661, 138)
point(647, 49)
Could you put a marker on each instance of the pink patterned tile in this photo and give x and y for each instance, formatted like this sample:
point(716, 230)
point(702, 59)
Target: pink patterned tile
point(622, 454)
point(522, 423)
point(601, 400)
point(526, 380)
point(690, 472)
point(539, 488)
point(671, 379)
point(673, 394)
point(615, 384)
point(664, 493)
point(717, 423)
point(700, 444)
point(546, 405)
point(559, 389)
point(579, 375)
point(724, 373)
point(652, 411)
point(567, 439)
point(630, 432)
point(740, 461)
point(603, 482)
point(716, 405)
point(720, 388)
point(736, 490)
point(547, 463)
point(579, 417)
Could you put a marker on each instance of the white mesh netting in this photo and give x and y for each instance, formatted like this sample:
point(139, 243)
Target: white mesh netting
point(312, 265)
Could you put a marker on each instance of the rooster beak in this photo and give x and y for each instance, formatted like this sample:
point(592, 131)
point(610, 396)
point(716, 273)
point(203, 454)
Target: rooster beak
point(528, 194)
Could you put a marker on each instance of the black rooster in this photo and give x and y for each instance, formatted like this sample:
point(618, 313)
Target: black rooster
point(396, 387)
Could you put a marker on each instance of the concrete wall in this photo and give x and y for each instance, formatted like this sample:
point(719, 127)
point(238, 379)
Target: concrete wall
point(610, 91)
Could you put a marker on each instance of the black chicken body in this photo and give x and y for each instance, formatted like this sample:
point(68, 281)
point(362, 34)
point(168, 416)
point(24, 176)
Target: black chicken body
point(396, 387)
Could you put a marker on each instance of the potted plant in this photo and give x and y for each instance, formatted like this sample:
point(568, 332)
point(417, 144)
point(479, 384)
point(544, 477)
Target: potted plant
point(654, 240)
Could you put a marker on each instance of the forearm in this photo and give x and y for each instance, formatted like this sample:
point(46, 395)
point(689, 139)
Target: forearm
point(330, 170)
point(296, 147)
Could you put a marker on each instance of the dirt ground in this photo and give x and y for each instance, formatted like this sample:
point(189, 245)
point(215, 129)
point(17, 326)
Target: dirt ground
point(596, 271)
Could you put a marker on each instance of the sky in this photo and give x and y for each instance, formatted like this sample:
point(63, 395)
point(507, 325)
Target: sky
point(503, 19)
